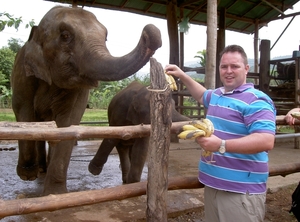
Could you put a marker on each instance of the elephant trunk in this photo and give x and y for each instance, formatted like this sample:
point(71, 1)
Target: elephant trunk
point(111, 68)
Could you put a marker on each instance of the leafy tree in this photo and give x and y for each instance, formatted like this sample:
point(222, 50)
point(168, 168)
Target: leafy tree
point(7, 57)
point(15, 44)
point(202, 56)
point(7, 20)
point(101, 96)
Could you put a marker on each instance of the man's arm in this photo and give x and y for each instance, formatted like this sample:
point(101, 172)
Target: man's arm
point(196, 89)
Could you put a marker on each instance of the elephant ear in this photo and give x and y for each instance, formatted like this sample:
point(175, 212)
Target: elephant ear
point(139, 110)
point(34, 60)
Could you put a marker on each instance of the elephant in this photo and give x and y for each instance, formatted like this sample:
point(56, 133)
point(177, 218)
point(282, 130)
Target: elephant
point(131, 106)
point(65, 56)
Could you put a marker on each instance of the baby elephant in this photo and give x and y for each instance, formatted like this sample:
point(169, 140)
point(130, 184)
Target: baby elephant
point(131, 106)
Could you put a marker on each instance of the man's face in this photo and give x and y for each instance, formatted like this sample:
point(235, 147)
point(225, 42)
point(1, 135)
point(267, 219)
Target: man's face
point(233, 71)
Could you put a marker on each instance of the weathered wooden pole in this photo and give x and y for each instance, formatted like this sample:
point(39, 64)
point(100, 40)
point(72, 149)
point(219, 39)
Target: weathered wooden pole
point(161, 121)
point(211, 45)
point(82, 198)
point(47, 131)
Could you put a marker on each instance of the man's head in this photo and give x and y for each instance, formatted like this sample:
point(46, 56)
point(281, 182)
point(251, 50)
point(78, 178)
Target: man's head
point(233, 67)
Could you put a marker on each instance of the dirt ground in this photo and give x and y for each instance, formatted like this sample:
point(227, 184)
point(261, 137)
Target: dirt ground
point(183, 161)
point(278, 206)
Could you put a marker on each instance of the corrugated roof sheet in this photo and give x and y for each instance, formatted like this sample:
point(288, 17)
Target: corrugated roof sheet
point(241, 15)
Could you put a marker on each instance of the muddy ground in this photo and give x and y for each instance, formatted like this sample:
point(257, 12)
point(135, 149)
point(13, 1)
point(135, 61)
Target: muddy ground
point(183, 205)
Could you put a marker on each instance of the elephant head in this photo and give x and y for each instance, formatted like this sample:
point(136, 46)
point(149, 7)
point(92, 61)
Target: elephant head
point(68, 48)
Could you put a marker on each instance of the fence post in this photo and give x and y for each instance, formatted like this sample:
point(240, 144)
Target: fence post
point(161, 121)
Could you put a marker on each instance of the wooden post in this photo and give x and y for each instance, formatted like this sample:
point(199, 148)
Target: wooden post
point(161, 120)
point(220, 43)
point(173, 31)
point(297, 81)
point(210, 67)
point(264, 78)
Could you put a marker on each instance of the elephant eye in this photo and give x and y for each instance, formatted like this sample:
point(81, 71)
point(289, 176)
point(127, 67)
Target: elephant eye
point(65, 36)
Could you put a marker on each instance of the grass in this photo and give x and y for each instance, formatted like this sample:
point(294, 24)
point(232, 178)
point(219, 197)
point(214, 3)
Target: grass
point(90, 115)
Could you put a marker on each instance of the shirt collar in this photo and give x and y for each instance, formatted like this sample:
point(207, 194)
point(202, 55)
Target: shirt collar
point(238, 89)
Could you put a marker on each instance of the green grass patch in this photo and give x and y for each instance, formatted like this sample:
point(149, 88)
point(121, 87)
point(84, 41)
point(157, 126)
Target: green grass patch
point(7, 115)
point(90, 115)
point(95, 115)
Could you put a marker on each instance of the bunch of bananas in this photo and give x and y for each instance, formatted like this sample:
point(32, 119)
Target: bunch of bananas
point(171, 81)
point(296, 115)
point(195, 128)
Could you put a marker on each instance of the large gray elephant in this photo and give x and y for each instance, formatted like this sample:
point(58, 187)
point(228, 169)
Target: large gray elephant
point(131, 106)
point(64, 57)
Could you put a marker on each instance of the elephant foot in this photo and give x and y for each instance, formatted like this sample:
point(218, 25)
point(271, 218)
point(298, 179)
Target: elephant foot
point(42, 169)
point(55, 189)
point(28, 173)
point(53, 185)
point(95, 170)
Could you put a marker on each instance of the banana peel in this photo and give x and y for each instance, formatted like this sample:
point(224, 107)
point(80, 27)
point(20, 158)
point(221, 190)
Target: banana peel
point(171, 81)
point(296, 115)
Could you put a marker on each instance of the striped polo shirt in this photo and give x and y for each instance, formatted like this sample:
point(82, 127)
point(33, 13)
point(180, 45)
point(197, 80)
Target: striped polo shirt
point(239, 113)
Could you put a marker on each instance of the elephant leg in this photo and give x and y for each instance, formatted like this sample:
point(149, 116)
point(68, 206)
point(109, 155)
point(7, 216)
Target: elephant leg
point(100, 158)
point(42, 156)
point(123, 151)
point(27, 167)
point(56, 177)
point(138, 156)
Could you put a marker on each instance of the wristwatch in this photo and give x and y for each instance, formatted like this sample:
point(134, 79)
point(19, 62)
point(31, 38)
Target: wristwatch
point(222, 148)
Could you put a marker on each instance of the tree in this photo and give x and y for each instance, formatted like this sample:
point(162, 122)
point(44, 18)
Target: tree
point(15, 44)
point(7, 20)
point(202, 56)
point(7, 58)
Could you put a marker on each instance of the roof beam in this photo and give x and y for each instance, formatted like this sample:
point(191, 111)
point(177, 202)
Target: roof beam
point(268, 3)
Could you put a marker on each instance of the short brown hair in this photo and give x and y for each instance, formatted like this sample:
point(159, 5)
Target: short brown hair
point(235, 48)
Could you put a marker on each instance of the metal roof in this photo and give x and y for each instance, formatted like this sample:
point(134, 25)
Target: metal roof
point(241, 15)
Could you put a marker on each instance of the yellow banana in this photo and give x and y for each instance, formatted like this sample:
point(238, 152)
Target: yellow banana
point(184, 133)
point(188, 127)
point(210, 126)
point(200, 125)
point(191, 134)
point(204, 124)
point(171, 82)
point(296, 115)
point(206, 153)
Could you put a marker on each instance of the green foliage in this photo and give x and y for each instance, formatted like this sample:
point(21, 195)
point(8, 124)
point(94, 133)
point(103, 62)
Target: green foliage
point(7, 20)
point(202, 56)
point(7, 58)
point(101, 96)
point(15, 44)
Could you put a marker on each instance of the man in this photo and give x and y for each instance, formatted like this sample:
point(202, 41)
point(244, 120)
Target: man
point(244, 118)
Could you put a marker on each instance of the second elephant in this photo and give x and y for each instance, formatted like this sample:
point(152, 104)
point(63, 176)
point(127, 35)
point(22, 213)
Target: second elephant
point(131, 106)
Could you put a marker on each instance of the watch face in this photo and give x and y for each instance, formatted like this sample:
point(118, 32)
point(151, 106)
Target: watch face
point(222, 150)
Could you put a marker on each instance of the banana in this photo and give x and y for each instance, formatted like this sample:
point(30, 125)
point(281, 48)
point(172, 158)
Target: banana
point(191, 134)
point(171, 82)
point(206, 153)
point(200, 125)
point(188, 127)
point(210, 126)
point(205, 125)
point(296, 115)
